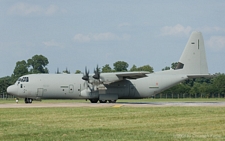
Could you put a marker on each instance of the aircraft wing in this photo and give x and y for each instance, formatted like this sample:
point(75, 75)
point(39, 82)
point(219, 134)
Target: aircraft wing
point(133, 75)
point(108, 78)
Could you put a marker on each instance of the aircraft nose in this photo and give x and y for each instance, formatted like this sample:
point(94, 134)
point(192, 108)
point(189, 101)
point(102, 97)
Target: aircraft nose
point(12, 90)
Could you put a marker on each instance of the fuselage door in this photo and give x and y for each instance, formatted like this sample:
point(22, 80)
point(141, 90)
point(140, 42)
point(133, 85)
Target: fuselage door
point(40, 92)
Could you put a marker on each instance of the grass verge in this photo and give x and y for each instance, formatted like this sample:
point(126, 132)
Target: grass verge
point(107, 123)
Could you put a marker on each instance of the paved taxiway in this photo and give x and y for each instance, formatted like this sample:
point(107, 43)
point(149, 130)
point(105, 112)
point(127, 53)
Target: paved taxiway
point(119, 104)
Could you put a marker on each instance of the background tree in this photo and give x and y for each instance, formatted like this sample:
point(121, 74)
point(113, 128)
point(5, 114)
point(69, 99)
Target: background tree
point(142, 68)
point(120, 66)
point(4, 83)
point(166, 68)
point(77, 72)
point(195, 89)
point(179, 89)
point(204, 90)
point(134, 68)
point(146, 68)
point(174, 65)
point(21, 69)
point(57, 72)
point(219, 84)
point(66, 71)
point(107, 68)
point(38, 64)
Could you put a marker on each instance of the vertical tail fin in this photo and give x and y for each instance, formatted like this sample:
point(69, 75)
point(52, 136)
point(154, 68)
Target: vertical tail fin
point(193, 58)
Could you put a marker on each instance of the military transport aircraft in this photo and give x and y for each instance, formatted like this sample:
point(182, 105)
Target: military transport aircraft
point(110, 87)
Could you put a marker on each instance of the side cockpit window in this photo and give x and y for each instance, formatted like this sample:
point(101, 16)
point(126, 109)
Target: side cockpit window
point(26, 79)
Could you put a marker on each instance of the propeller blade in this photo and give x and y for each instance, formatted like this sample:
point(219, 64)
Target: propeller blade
point(86, 75)
point(97, 73)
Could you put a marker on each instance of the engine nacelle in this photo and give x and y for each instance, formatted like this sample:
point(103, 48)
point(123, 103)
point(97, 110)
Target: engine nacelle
point(108, 78)
point(86, 93)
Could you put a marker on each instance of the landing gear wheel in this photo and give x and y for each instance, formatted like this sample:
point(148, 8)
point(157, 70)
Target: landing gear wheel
point(112, 101)
point(94, 100)
point(102, 101)
point(25, 100)
point(28, 100)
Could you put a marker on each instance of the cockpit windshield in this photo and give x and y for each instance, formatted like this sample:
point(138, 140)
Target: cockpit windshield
point(23, 79)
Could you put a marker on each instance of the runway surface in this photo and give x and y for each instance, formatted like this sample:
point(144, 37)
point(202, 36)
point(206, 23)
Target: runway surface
point(116, 105)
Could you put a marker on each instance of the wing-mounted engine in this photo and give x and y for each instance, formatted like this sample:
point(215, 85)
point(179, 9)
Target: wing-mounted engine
point(92, 79)
point(92, 83)
point(108, 78)
point(97, 81)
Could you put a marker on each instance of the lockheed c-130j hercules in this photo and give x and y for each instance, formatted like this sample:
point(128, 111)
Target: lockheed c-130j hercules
point(110, 87)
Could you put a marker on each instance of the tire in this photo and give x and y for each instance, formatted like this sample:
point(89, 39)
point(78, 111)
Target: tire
point(94, 100)
point(25, 100)
point(112, 101)
point(102, 101)
point(28, 100)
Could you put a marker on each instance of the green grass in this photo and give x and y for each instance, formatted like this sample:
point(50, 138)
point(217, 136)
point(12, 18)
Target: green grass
point(108, 123)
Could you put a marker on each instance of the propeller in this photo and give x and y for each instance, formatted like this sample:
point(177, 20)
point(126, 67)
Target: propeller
point(97, 73)
point(90, 83)
point(86, 75)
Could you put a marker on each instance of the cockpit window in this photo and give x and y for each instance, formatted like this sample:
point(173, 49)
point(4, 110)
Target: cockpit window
point(23, 79)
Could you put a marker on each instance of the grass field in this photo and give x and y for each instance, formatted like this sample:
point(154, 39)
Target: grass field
point(108, 123)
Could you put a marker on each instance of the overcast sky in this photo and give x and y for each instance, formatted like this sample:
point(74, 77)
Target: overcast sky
point(73, 34)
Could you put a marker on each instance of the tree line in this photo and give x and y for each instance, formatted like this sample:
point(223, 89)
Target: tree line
point(211, 87)
point(200, 87)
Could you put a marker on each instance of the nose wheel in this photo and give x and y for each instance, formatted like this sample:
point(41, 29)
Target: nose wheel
point(28, 100)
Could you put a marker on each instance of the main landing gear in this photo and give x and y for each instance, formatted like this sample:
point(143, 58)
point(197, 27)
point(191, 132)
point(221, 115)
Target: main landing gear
point(94, 100)
point(28, 100)
point(102, 101)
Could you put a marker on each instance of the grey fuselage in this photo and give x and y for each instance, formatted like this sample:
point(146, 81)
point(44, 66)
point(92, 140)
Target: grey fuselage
point(70, 86)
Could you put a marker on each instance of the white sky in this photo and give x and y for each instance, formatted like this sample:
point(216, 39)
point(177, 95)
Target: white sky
point(73, 34)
